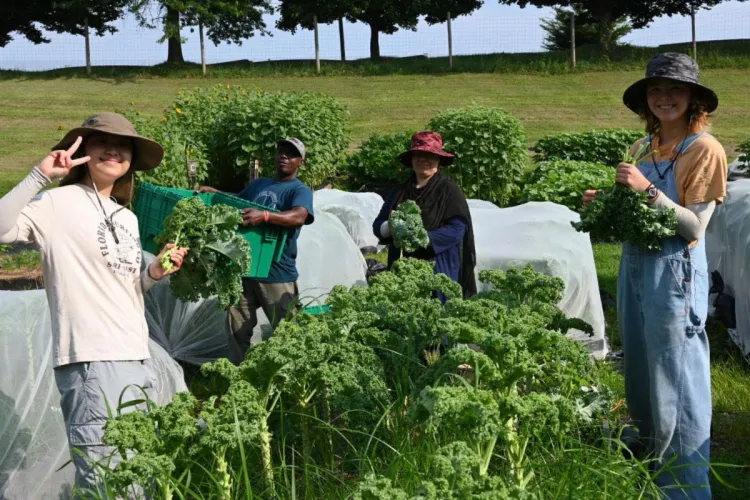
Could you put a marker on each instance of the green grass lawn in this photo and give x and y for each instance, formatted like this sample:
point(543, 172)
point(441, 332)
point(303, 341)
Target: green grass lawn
point(32, 109)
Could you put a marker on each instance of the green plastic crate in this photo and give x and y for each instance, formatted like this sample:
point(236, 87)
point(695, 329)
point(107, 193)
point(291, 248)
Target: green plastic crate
point(154, 203)
point(266, 241)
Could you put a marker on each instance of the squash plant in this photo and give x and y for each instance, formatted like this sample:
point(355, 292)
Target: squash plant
point(490, 149)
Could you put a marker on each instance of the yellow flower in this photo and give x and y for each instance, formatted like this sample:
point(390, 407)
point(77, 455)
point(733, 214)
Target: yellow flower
point(164, 119)
point(60, 127)
point(178, 110)
point(228, 85)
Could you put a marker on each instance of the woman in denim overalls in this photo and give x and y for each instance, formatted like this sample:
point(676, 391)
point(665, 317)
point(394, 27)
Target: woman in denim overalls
point(662, 296)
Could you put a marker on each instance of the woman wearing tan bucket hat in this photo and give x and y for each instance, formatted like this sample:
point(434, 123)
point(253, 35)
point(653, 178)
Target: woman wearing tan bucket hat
point(662, 296)
point(91, 261)
point(445, 213)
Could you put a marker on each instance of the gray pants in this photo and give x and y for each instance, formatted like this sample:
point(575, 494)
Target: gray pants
point(85, 391)
point(276, 300)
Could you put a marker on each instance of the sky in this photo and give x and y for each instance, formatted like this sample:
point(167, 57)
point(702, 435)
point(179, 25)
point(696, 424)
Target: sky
point(493, 28)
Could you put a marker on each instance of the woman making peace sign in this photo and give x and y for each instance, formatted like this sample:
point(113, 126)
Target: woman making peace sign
point(91, 260)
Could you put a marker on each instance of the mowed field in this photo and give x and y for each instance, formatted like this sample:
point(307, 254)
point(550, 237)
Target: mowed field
point(32, 110)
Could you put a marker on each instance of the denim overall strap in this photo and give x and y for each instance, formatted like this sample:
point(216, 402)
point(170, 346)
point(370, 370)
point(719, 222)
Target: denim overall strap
point(662, 305)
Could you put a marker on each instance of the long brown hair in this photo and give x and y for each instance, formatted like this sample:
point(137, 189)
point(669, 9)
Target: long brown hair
point(122, 191)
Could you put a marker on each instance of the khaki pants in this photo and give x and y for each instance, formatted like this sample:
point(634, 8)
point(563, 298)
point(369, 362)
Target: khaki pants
point(86, 389)
point(276, 300)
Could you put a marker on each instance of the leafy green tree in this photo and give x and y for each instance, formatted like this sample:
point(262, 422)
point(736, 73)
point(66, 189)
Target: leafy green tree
point(77, 17)
point(587, 30)
point(437, 11)
point(303, 13)
point(386, 16)
point(639, 12)
point(224, 20)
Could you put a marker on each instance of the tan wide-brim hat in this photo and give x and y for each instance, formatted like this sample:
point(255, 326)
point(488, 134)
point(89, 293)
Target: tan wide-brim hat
point(147, 154)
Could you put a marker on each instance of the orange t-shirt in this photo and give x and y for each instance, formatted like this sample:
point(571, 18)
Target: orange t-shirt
point(700, 171)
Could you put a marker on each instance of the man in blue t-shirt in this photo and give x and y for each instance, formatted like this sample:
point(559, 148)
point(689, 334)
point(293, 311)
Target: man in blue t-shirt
point(294, 202)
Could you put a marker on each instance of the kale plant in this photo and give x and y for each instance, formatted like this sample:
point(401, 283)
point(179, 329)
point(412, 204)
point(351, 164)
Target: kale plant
point(407, 227)
point(622, 214)
point(217, 257)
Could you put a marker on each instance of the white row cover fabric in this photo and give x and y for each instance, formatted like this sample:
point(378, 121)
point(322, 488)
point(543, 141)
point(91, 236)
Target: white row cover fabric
point(356, 211)
point(327, 256)
point(540, 234)
point(193, 332)
point(728, 251)
point(480, 204)
point(33, 441)
point(196, 332)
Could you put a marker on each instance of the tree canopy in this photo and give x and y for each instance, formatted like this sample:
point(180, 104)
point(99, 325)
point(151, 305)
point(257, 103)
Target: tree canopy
point(28, 18)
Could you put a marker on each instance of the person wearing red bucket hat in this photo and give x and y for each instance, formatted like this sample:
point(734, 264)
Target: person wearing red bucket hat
point(91, 262)
point(445, 213)
point(662, 296)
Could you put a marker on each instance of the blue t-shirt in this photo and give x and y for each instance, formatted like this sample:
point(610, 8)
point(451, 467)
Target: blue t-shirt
point(282, 196)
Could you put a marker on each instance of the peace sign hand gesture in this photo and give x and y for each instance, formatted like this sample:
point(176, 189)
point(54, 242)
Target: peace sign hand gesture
point(58, 163)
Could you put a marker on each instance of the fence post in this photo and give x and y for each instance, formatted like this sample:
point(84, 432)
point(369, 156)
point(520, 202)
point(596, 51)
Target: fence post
point(203, 48)
point(87, 36)
point(573, 38)
point(317, 44)
point(450, 41)
point(695, 44)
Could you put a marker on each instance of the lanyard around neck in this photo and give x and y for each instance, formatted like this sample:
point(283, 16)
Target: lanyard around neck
point(678, 151)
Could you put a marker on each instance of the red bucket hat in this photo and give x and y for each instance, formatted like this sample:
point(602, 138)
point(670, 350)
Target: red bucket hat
point(430, 142)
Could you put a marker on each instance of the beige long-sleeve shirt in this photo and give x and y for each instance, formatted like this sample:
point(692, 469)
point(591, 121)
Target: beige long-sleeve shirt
point(94, 285)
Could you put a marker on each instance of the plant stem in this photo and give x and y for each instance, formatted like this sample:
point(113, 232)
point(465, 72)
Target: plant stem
point(265, 450)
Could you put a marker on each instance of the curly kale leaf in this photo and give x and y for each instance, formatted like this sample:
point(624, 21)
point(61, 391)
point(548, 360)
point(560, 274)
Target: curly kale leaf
point(217, 257)
point(621, 214)
point(524, 286)
point(407, 227)
point(460, 413)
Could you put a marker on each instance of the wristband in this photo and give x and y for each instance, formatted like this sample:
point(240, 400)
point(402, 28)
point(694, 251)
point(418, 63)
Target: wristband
point(148, 272)
point(266, 215)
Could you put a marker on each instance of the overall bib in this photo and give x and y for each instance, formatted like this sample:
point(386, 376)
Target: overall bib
point(662, 305)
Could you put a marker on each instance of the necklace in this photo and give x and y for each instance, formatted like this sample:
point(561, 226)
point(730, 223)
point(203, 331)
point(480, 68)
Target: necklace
point(675, 155)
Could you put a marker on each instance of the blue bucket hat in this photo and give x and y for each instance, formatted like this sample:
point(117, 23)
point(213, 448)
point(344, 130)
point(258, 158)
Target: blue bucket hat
point(674, 66)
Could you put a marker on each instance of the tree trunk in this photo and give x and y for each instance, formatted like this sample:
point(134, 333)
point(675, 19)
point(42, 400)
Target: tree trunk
point(573, 39)
point(695, 43)
point(174, 44)
point(203, 49)
point(341, 39)
point(374, 43)
point(450, 42)
point(87, 37)
point(317, 44)
point(605, 32)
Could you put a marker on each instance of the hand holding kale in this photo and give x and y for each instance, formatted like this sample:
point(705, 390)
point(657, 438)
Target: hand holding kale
point(622, 214)
point(407, 227)
point(218, 256)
